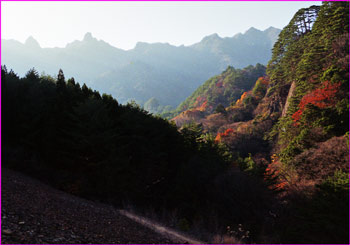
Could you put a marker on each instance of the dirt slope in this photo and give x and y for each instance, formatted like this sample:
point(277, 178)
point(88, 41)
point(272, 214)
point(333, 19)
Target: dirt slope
point(32, 212)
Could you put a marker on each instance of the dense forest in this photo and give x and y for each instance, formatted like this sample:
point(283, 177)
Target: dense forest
point(291, 126)
point(89, 145)
point(259, 155)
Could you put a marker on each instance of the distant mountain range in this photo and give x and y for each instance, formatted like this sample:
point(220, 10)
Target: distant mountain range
point(161, 72)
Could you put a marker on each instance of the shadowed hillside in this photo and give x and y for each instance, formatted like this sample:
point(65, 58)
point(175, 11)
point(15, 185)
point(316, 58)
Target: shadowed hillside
point(36, 213)
point(258, 155)
point(291, 127)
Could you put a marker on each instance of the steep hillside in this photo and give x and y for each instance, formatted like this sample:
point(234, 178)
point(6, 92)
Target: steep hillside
point(291, 128)
point(218, 92)
point(32, 212)
point(242, 124)
point(160, 70)
point(88, 145)
point(262, 157)
point(310, 62)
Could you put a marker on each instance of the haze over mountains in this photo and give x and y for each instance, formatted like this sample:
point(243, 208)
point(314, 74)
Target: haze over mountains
point(162, 72)
point(250, 150)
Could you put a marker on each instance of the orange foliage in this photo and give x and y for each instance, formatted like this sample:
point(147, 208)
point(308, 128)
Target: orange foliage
point(200, 100)
point(200, 104)
point(321, 97)
point(219, 136)
point(242, 98)
point(203, 107)
point(264, 80)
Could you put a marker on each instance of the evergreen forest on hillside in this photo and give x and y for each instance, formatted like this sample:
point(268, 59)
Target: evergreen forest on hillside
point(290, 126)
point(254, 155)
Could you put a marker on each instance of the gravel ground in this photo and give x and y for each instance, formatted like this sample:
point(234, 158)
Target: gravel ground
point(32, 212)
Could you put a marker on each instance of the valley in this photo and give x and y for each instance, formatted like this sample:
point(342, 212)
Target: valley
point(217, 141)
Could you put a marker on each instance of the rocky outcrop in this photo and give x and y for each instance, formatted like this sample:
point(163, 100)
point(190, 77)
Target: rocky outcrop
point(290, 94)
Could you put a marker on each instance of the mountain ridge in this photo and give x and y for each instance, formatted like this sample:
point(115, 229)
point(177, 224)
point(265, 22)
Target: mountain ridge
point(273, 153)
point(89, 36)
point(104, 67)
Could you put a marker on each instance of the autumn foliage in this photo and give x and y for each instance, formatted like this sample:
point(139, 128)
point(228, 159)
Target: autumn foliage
point(321, 97)
point(219, 84)
point(203, 106)
point(228, 132)
point(243, 96)
point(264, 80)
point(200, 100)
point(273, 172)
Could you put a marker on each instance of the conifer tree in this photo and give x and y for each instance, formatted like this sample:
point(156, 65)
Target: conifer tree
point(61, 82)
point(32, 75)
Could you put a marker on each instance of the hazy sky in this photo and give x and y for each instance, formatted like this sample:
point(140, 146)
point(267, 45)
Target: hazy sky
point(122, 24)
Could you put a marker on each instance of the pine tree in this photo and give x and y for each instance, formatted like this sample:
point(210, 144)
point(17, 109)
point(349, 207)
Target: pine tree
point(61, 82)
point(32, 75)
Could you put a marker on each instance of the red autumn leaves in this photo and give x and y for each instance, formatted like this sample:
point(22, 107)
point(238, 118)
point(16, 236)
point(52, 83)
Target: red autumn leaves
point(273, 172)
point(219, 136)
point(321, 97)
point(201, 103)
point(219, 84)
